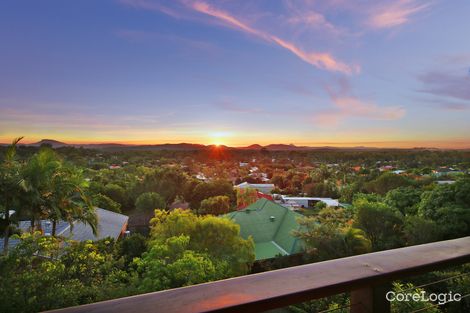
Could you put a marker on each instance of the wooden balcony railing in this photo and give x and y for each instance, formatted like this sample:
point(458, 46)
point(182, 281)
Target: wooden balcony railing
point(365, 276)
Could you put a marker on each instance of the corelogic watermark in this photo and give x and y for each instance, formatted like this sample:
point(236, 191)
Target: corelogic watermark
point(422, 296)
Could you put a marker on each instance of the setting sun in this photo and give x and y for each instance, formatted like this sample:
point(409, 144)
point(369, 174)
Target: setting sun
point(219, 138)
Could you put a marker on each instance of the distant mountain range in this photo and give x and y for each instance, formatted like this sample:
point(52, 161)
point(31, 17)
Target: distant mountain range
point(198, 147)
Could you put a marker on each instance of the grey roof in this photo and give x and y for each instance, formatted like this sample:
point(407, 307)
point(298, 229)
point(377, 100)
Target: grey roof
point(110, 224)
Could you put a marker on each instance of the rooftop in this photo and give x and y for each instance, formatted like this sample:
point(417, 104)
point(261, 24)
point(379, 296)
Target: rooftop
point(110, 224)
point(271, 226)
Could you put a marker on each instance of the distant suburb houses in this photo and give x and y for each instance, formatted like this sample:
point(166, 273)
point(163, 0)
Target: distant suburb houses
point(110, 224)
point(271, 226)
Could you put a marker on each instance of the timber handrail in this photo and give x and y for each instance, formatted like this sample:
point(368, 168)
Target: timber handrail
point(279, 288)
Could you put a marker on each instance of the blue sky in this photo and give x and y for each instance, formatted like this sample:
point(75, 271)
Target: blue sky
point(375, 73)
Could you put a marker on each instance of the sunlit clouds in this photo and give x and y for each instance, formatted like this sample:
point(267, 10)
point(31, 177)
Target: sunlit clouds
point(396, 13)
point(321, 60)
point(348, 105)
point(227, 72)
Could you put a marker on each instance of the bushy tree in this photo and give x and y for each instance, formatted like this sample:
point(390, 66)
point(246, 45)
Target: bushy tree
point(171, 264)
point(42, 273)
point(215, 205)
point(131, 247)
point(167, 182)
point(150, 201)
point(386, 182)
point(209, 245)
point(105, 202)
point(382, 225)
point(404, 199)
point(329, 235)
point(322, 189)
point(448, 205)
point(211, 189)
point(116, 193)
point(418, 230)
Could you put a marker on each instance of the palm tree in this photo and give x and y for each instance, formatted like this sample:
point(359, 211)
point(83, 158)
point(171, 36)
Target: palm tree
point(67, 199)
point(56, 192)
point(38, 174)
point(10, 188)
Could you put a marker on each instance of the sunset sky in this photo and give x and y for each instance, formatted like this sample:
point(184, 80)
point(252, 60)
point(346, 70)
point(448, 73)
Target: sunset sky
point(309, 72)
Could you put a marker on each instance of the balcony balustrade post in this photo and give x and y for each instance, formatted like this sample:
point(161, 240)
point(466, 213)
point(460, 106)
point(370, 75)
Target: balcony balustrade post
point(370, 299)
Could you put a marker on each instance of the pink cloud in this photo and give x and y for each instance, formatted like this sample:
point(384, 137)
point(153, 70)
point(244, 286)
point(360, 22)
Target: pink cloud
point(348, 105)
point(152, 6)
point(396, 13)
point(320, 60)
point(305, 13)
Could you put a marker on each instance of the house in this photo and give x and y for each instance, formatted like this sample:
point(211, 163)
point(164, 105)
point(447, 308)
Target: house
point(271, 226)
point(446, 171)
point(201, 177)
point(385, 168)
point(445, 182)
point(264, 188)
point(110, 224)
point(306, 202)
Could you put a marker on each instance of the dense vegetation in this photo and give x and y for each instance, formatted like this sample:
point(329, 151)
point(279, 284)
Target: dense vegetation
point(381, 210)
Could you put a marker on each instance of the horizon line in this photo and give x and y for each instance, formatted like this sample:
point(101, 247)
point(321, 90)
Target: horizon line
point(344, 145)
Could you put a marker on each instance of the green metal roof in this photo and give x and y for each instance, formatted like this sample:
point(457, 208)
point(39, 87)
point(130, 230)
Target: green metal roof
point(271, 226)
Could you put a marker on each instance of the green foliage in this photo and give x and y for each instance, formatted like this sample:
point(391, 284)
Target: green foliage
point(106, 202)
point(322, 189)
point(131, 247)
point(187, 249)
point(333, 303)
point(116, 193)
point(386, 182)
point(207, 190)
point(382, 224)
point(448, 205)
point(217, 205)
point(404, 199)
point(40, 274)
point(170, 264)
point(329, 235)
point(347, 192)
point(55, 190)
point(418, 230)
point(320, 205)
point(11, 188)
point(149, 201)
point(167, 182)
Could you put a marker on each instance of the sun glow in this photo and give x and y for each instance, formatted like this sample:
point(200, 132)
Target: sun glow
point(219, 138)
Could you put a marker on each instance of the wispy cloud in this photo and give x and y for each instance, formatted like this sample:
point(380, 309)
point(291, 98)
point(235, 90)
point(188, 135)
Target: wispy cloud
point(321, 60)
point(304, 13)
point(152, 6)
point(348, 105)
point(447, 84)
point(396, 13)
point(448, 105)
